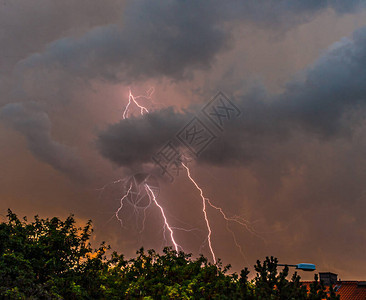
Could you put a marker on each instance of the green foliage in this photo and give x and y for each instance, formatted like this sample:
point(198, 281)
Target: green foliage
point(47, 258)
point(53, 259)
point(271, 284)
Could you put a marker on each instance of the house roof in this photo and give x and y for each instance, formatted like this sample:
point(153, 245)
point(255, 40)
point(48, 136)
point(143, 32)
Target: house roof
point(352, 290)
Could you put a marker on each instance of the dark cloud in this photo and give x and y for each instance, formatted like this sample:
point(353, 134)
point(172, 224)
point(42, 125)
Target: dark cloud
point(160, 39)
point(317, 104)
point(333, 84)
point(153, 40)
point(168, 38)
point(140, 138)
point(26, 27)
point(35, 126)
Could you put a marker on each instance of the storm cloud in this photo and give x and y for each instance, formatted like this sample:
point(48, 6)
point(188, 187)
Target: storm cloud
point(35, 126)
point(152, 40)
point(168, 38)
point(317, 103)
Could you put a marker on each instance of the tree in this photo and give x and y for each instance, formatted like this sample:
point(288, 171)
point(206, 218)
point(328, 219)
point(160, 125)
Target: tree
point(172, 275)
point(271, 284)
point(47, 258)
point(53, 259)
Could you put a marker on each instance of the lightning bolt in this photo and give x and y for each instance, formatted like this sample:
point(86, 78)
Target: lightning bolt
point(235, 219)
point(144, 218)
point(133, 197)
point(166, 224)
point(133, 99)
point(121, 205)
point(204, 212)
point(103, 188)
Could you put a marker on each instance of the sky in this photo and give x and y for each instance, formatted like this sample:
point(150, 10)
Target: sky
point(290, 160)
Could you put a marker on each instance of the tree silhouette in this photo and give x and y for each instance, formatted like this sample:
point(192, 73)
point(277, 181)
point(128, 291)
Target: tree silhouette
point(53, 259)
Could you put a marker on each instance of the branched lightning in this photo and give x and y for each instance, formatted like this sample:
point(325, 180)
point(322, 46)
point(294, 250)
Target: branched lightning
point(135, 194)
point(144, 218)
point(102, 189)
point(228, 228)
point(166, 224)
point(121, 205)
point(235, 219)
point(133, 99)
point(204, 212)
point(134, 197)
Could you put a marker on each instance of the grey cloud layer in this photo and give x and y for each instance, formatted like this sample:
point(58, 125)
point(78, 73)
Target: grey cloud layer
point(35, 125)
point(169, 38)
point(333, 86)
point(160, 39)
point(154, 39)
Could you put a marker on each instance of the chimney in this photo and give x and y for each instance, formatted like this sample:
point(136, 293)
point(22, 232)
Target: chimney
point(328, 278)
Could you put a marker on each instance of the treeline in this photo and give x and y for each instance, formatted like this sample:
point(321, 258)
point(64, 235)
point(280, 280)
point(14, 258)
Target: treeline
point(53, 259)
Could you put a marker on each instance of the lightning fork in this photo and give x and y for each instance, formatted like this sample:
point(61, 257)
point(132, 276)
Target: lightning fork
point(132, 99)
point(166, 224)
point(204, 212)
point(121, 205)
